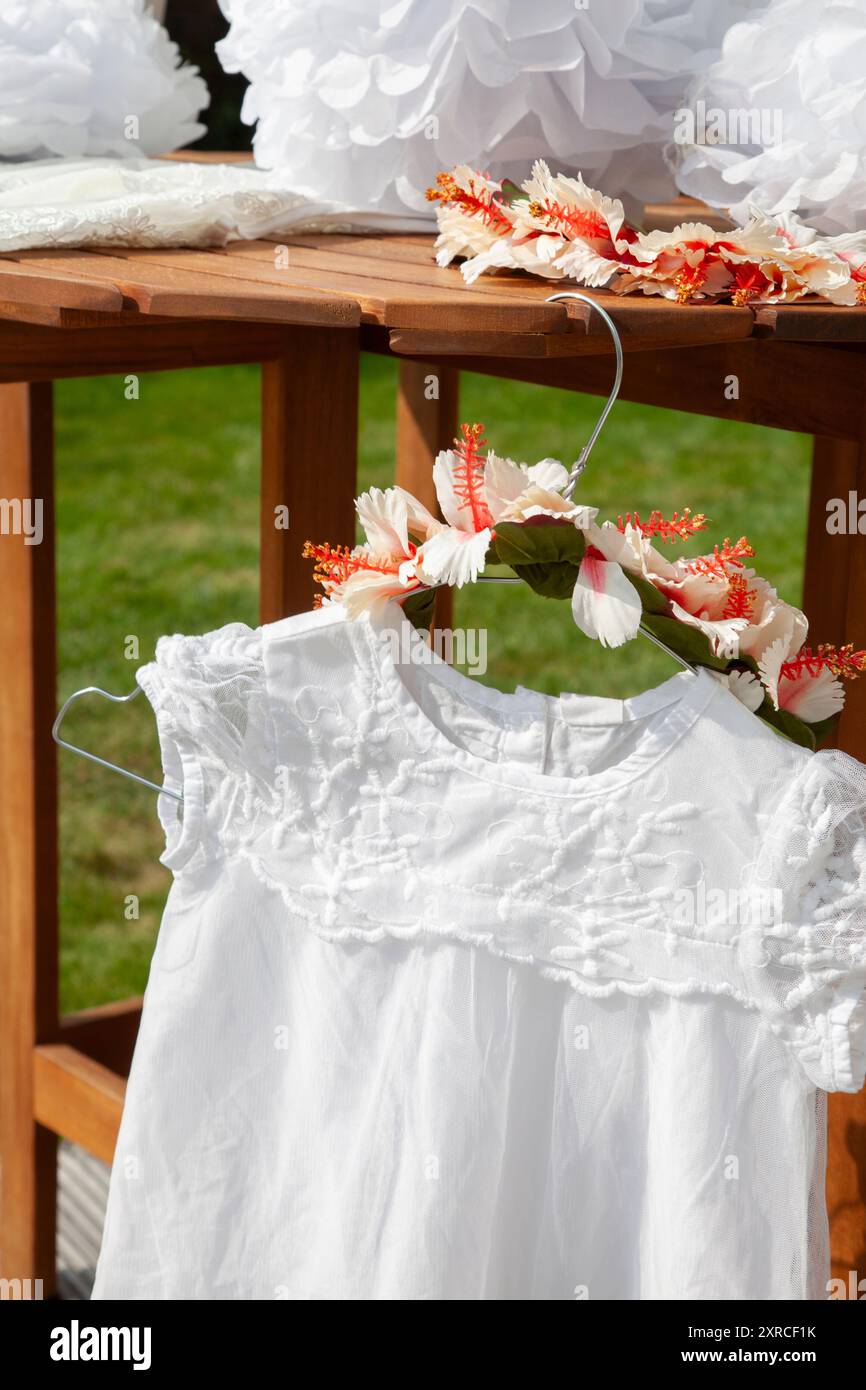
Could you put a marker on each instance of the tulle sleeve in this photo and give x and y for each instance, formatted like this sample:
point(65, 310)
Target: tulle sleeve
point(205, 692)
point(807, 958)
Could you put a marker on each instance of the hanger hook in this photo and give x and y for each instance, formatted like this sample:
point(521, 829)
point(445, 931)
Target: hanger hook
point(580, 464)
point(94, 757)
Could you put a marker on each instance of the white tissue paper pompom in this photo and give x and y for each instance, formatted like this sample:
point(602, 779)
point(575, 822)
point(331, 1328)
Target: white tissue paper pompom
point(801, 66)
point(72, 73)
point(363, 101)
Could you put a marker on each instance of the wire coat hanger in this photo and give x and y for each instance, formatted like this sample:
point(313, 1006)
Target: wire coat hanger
point(585, 452)
point(94, 757)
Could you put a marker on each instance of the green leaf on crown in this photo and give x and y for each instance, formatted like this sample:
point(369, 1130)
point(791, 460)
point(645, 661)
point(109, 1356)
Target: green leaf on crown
point(419, 608)
point(688, 642)
point(797, 730)
point(511, 192)
point(651, 600)
point(541, 541)
point(555, 580)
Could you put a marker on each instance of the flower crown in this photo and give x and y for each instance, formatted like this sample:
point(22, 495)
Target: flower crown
point(559, 227)
point(712, 610)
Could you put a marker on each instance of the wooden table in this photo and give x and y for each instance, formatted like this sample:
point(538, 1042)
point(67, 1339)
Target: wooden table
point(305, 311)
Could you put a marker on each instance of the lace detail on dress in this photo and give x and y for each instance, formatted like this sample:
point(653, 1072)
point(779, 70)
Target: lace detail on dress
point(809, 966)
point(377, 837)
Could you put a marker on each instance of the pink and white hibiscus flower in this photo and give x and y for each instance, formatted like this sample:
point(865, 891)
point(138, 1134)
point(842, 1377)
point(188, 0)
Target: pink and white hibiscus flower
point(562, 227)
point(407, 547)
point(472, 217)
point(520, 491)
point(850, 248)
point(605, 605)
point(812, 263)
point(367, 575)
point(695, 262)
point(738, 611)
point(808, 683)
point(808, 689)
point(457, 553)
point(475, 493)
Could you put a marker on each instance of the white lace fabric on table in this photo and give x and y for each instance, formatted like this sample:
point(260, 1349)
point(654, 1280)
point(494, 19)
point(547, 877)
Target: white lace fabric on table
point(464, 995)
point(150, 202)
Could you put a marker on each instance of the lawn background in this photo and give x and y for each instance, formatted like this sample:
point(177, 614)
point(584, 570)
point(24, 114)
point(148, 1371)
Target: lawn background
point(158, 533)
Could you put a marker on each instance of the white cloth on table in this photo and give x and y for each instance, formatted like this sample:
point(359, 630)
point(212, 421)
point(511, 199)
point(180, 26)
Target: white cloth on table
point(155, 202)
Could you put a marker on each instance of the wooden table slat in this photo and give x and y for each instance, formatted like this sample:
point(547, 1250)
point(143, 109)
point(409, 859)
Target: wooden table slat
point(652, 315)
point(643, 321)
point(403, 305)
point(32, 283)
point(382, 298)
point(176, 292)
point(812, 322)
point(426, 342)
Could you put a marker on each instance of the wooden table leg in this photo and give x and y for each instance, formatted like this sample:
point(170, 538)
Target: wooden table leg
point(427, 402)
point(835, 602)
point(28, 831)
point(309, 460)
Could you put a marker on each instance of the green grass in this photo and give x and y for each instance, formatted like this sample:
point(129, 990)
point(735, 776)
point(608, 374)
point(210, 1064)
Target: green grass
point(158, 528)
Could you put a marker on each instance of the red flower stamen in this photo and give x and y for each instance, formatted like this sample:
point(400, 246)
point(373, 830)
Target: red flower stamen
point(582, 226)
point(843, 662)
point(749, 281)
point(335, 563)
point(740, 598)
point(715, 566)
point(469, 474)
point(689, 281)
point(679, 527)
point(476, 200)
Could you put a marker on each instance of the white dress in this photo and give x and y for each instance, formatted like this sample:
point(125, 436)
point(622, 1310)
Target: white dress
point(464, 995)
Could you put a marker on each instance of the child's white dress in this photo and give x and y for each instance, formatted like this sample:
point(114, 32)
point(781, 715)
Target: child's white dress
point(463, 995)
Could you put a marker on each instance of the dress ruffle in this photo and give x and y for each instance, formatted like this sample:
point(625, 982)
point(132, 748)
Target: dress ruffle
point(809, 965)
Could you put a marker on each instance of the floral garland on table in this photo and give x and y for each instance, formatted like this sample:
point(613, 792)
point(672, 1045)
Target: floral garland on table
point(500, 512)
point(559, 227)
